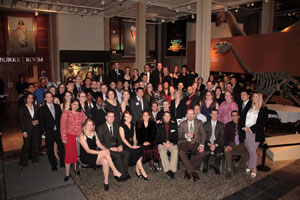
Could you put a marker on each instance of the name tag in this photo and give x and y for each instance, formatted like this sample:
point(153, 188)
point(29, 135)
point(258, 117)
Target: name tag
point(137, 103)
point(172, 131)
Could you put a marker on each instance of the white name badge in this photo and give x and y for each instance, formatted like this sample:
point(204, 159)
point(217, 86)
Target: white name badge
point(172, 131)
point(137, 103)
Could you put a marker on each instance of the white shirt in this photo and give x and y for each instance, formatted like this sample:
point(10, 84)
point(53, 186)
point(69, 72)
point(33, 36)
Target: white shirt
point(141, 101)
point(112, 127)
point(213, 129)
point(251, 118)
point(154, 115)
point(245, 103)
point(119, 95)
point(201, 117)
point(31, 111)
point(148, 77)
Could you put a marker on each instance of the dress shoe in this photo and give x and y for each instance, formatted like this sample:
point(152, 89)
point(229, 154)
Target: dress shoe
point(119, 178)
point(204, 170)
point(228, 175)
point(187, 175)
point(169, 175)
point(195, 176)
point(106, 187)
point(146, 178)
point(139, 176)
point(54, 169)
point(217, 171)
point(172, 175)
point(67, 178)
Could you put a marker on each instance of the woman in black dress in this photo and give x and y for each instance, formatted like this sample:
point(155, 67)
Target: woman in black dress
point(61, 92)
point(128, 137)
point(125, 101)
point(91, 156)
point(112, 104)
point(219, 95)
point(145, 133)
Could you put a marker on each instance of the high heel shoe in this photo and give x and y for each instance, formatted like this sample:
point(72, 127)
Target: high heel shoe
point(139, 176)
point(67, 178)
point(106, 187)
point(146, 178)
point(118, 178)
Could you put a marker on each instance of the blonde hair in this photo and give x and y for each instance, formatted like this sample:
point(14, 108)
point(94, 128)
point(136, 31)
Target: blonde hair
point(84, 126)
point(260, 101)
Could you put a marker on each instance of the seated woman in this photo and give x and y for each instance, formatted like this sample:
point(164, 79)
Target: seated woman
point(89, 154)
point(145, 133)
point(128, 137)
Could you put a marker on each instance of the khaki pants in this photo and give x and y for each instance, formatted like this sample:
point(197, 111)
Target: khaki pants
point(166, 163)
point(237, 150)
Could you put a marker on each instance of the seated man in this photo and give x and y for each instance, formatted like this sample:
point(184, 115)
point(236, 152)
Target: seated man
point(167, 138)
point(191, 139)
point(214, 144)
point(234, 143)
point(165, 108)
point(108, 134)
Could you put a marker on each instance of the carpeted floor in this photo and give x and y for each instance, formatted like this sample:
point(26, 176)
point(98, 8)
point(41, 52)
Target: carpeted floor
point(210, 186)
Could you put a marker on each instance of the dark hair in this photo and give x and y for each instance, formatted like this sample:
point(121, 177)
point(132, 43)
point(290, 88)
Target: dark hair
point(28, 94)
point(197, 104)
point(167, 112)
point(141, 121)
point(229, 84)
point(124, 113)
point(111, 90)
point(139, 88)
point(79, 106)
point(247, 91)
point(184, 66)
point(109, 112)
point(48, 93)
point(154, 102)
point(214, 110)
point(69, 82)
point(29, 84)
point(235, 111)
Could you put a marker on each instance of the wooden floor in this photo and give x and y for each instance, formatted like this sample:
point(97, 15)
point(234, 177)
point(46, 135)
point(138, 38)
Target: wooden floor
point(10, 126)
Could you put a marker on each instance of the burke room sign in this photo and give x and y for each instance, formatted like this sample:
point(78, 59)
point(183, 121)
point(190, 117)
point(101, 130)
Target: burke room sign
point(22, 60)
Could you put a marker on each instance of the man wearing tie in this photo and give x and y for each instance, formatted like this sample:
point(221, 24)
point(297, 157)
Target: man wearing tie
point(101, 76)
point(191, 139)
point(108, 134)
point(214, 144)
point(138, 104)
point(77, 87)
point(150, 78)
point(116, 74)
point(49, 119)
point(245, 104)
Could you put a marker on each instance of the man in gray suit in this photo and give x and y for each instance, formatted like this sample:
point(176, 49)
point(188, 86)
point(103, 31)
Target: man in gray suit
point(108, 134)
point(214, 144)
point(138, 104)
point(191, 137)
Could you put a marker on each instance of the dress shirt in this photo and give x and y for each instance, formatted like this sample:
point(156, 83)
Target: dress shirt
point(201, 117)
point(141, 102)
point(52, 110)
point(244, 104)
point(31, 111)
point(213, 128)
point(112, 128)
point(190, 124)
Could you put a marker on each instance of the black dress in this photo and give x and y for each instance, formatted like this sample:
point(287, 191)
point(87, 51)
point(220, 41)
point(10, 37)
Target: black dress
point(115, 109)
point(87, 158)
point(134, 154)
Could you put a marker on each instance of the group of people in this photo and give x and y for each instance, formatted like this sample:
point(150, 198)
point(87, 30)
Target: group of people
point(122, 119)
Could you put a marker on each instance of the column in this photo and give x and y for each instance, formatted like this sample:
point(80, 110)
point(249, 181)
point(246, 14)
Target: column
point(54, 48)
point(106, 34)
point(267, 16)
point(140, 50)
point(203, 37)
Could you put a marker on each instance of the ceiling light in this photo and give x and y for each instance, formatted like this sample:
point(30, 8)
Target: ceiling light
point(71, 9)
point(266, 1)
point(177, 11)
point(193, 16)
point(289, 14)
point(36, 13)
point(95, 12)
point(85, 11)
point(162, 20)
point(173, 21)
point(252, 4)
point(248, 4)
point(102, 3)
point(188, 7)
point(57, 8)
point(76, 10)
point(236, 10)
point(294, 13)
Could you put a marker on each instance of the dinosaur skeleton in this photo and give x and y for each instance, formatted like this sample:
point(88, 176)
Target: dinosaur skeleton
point(266, 82)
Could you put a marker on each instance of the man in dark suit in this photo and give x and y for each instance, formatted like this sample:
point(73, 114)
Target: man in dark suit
point(234, 144)
point(236, 90)
point(191, 99)
point(150, 77)
point(77, 88)
point(108, 134)
point(138, 104)
point(49, 121)
point(192, 137)
point(214, 144)
point(98, 112)
point(167, 138)
point(187, 78)
point(116, 74)
point(158, 75)
point(245, 103)
point(101, 76)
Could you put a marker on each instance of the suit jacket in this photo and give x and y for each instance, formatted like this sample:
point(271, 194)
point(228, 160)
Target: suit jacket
point(219, 133)
point(196, 99)
point(229, 133)
point(156, 78)
point(46, 121)
point(237, 93)
point(167, 79)
point(98, 116)
point(161, 135)
point(247, 107)
point(259, 127)
point(187, 79)
point(136, 108)
point(152, 79)
point(76, 91)
point(199, 131)
point(113, 76)
point(105, 137)
point(26, 119)
point(180, 111)
point(104, 78)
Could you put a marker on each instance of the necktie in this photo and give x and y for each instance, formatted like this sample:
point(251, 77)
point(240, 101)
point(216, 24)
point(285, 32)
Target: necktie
point(110, 131)
point(52, 111)
point(243, 106)
point(191, 128)
point(212, 138)
point(113, 143)
point(141, 102)
point(236, 137)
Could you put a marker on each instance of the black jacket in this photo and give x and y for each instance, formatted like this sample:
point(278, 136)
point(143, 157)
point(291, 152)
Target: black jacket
point(161, 135)
point(46, 120)
point(105, 137)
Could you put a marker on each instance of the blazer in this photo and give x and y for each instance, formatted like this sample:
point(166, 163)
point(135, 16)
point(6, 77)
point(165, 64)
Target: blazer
point(46, 120)
point(98, 116)
point(167, 79)
point(187, 79)
point(151, 80)
point(136, 108)
point(180, 111)
point(161, 135)
point(229, 133)
point(246, 109)
point(113, 76)
point(144, 134)
point(219, 133)
point(196, 99)
point(104, 78)
point(259, 127)
point(105, 137)
point(199, 131)
point(26, 119)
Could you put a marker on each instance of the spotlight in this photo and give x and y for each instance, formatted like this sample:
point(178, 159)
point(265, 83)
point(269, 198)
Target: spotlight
point(193, 16)
point(36, 13)
point(177, 11)
point(76, 10)
point(188, 7)
point(252, 4)
point(294, 13)
point(71, 9)
point(248, 4)
point(289, 14)
point(85, 11)
point(236, 10)
point(102, 3)
point(95, 12)
point(162, 20)
point(173, 21)
point(57, 8)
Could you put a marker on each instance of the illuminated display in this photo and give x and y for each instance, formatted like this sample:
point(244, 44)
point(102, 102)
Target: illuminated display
point(176, 46)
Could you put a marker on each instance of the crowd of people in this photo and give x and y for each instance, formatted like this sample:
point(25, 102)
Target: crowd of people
point(123, 119)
